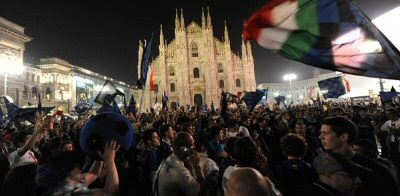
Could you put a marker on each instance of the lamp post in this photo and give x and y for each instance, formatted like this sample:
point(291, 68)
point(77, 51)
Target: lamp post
point(290, 77)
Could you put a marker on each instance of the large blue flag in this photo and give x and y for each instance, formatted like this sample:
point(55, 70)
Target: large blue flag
point(332, 87)
point(145, 64)
point(252, 98)
point(329, 34)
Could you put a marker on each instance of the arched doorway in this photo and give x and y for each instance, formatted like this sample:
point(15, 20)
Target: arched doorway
point(198, 100)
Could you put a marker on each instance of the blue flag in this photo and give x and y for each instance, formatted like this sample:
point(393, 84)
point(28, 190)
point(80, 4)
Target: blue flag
point(145, 64)
point(132, 106)
point(108, 93)
point(82, 108)
point(252, 98)
point(109, 108)
point(332, 87)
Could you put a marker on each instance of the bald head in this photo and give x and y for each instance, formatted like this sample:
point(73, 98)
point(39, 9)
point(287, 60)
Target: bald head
point(247, 181)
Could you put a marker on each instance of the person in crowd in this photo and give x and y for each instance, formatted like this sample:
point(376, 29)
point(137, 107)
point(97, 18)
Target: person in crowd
point(67, 146)
point(392, 129)
point(245, 151)
point(293, 172)
point(337, 134)
point(174, 176)
point(248, 181)
point(209, 167)
point(338, 176)
point(61, 174)
point(168, 134)
point(366, 148)
point(313, 147)
point(217, 148)
point(365, 128)
point(148, 159)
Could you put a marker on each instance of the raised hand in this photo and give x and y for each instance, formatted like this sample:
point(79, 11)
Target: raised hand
point(110, 148)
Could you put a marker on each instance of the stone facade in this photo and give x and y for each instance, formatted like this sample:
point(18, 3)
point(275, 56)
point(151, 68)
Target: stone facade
point(195, 66)
point(58, 82)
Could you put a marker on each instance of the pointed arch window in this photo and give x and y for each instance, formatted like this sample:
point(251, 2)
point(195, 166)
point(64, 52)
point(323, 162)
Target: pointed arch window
point(221, 84)
point(172, 87)
point(171, 71)
point(196, 73)
point(238, 82)
point(195, 50)
point(220, 68)
point(155, 88)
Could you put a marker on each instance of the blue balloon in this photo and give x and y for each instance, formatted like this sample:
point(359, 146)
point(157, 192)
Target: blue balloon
point(105, 127)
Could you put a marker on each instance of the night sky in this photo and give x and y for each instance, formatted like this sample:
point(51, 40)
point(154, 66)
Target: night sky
point(103, 35)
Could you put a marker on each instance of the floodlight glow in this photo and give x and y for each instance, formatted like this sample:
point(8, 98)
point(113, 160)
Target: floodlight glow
point(276, 94)
point(388, 24)
point(289, 96)
point(290, 76)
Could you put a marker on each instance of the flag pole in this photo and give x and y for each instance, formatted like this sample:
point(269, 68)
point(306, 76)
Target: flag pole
point(141, 100)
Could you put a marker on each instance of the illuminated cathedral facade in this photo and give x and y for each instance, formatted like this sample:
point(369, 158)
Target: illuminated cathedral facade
point(195, 66)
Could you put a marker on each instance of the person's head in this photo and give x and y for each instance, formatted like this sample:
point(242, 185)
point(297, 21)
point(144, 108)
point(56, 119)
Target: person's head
point(61, 168)
point(230, 144)
point(247, 181)
point(300, 128)
point(217, 133)
point(391, 114)
point(181, 141)
point(20, 138)
point(366, 147)
point(188, 128)
point(167, 131)
point(67, 146)
point(201, 145)
point(363, 112)
point(245, 151)
point(338, 172)
point(150, 138)
point(293, 145)
point(336, 132)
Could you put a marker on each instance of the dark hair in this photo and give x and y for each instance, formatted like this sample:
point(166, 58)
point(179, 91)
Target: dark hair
point(293, 145)
point(148, 135)
point(164, 129)
point(230, 144)
point(245, 152)
point(19, 137)
point(53, 173)
point(341, 125)
point(185, 127)
point(368, 148)
point(214, 131)
point(181, 140)
point(200, 142)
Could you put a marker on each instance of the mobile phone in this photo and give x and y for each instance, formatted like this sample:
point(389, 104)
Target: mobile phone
point(186, 151)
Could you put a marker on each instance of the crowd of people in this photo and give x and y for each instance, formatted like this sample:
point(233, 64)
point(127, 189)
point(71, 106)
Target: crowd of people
point(344, 149)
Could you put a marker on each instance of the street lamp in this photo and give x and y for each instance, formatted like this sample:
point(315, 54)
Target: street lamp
point(9, 65)
point(290, 77)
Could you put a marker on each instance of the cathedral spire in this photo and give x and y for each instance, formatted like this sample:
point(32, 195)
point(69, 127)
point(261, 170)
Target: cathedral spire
point(203, 19)
point(244, 52)
point(161, 36)
point(226, 34)
point(209, 25)
point(182, 20)
point(177, 25)
point(140, 54)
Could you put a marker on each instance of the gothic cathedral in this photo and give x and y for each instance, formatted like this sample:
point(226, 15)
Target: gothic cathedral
point(194, 67)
